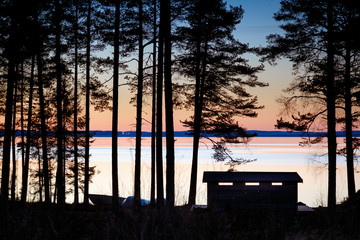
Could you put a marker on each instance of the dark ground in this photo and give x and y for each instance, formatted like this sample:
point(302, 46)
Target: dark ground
point(36, 221)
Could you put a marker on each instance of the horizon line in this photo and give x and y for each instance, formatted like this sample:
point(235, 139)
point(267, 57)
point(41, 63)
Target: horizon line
point(260, 133)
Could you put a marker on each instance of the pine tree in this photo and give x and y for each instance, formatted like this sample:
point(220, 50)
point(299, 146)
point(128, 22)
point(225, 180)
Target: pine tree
point(212, 58)
point(310, 43)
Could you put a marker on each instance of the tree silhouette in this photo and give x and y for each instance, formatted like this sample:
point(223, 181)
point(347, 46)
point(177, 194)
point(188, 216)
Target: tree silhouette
point(59, 129)
point(76, 172)
point(348, 12)
point(13, 135)
point(159, 107)
point(331, 118)
point(28, 135)
point(309, 42)
point(211, 56)
point(139, 98)
point(165, 27)
point(87, 103)
point(115, 180)
point(13, 13)
point(40, 34)
point(22, 129)
point(153, 107)
point(88, 35)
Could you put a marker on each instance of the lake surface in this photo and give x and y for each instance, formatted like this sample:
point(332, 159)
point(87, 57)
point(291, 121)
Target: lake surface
point(270, 153)
point(266, 150)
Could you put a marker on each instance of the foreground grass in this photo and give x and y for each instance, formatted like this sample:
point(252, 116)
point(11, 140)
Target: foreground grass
point(36, 221)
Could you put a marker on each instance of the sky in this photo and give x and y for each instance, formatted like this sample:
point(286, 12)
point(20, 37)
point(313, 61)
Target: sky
point(256, 24)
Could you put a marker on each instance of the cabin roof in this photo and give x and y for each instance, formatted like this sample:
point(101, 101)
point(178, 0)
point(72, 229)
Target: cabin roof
point(251, 177)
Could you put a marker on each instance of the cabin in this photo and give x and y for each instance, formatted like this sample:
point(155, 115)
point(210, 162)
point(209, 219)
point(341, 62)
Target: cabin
point(228, 191)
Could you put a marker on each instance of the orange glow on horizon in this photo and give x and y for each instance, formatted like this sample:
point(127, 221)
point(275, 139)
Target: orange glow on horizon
point(278, 78)
point(103, 121)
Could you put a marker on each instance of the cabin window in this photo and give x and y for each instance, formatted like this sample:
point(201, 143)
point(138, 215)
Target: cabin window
point(252, 184)
point(225, 183)
point(277, 184)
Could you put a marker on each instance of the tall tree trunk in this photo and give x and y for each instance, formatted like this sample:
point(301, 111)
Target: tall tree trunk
point(137, 183)
point(331, 120)
point(87, 127)
point(25, 173)
point(153, 114)
point(159, 160)
point(13, 174)
point(170, 150)
point(59, 131)
point(43, 126)
point(348, 126)
point(46, 180)
point(197, 124)
point(115, 192)
point(63, 178)
point(76, 167)
point(8, 112)
point(201, 64)
point(22, 116)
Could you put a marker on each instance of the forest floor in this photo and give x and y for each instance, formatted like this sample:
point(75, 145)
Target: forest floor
point(37, 221)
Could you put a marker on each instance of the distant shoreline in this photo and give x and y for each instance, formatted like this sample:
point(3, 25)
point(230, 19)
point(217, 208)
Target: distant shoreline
point(100, 133)
point(259, 134)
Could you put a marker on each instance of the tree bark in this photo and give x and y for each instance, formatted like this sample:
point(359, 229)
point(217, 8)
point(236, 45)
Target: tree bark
point(43, 125)
point(201, 64)
point(331, 118)
point(197, 123)
point(59, 131)
point(13, 174)
point(8, 112)
point(137, 183)
point(22, 116)
point(76, 167)
point(115, 195)
point(170, 150)
point(159, 160)
point(348, 126)
point(25, 172)
point(153, 114)
point(87, 107)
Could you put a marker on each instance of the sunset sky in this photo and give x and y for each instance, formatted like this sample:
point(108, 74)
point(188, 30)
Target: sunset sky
point(257, 23)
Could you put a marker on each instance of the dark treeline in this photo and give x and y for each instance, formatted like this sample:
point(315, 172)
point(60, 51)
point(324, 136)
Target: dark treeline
point(45, 50)
point(58, 59)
